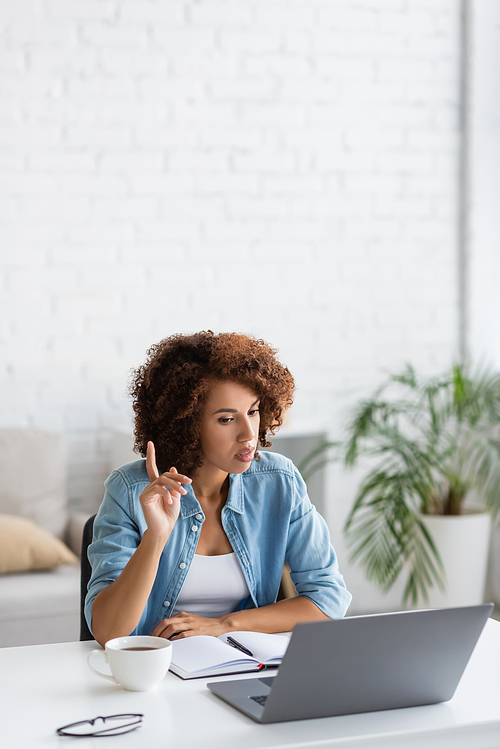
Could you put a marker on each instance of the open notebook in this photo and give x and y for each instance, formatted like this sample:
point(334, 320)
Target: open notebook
point(199, 656)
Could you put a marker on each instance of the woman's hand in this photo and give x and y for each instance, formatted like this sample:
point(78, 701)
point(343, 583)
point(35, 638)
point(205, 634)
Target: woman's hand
point(161, 499)
point(186, 625)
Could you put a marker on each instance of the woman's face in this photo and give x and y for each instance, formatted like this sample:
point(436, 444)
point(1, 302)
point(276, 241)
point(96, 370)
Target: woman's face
point(229, 427)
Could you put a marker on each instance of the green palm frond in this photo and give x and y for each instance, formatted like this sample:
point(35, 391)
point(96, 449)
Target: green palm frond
point(482, 465)
point(324, 453)
point(407, 377)
point(476, 396)
point(369, 419)
point(424, 564)
point(385, 535)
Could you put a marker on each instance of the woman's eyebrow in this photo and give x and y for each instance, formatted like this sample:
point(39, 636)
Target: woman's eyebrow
point(233, 410)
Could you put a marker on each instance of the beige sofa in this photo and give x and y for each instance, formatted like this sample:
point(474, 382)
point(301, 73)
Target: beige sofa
point(39, 542)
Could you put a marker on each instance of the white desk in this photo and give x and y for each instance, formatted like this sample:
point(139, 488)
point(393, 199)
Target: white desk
point(47, 686)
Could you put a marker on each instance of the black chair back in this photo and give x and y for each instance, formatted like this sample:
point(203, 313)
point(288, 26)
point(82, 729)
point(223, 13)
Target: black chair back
point(85, 573)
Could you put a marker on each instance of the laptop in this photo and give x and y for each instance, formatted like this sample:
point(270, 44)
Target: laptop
point(363, 663)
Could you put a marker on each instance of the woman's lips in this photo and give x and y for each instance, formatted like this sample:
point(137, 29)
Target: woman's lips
point(245, 455)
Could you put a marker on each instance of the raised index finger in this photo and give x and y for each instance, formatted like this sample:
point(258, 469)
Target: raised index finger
point(151, 466)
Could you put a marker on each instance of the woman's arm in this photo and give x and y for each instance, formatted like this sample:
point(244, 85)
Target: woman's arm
point(277, 617)
point(117, 609)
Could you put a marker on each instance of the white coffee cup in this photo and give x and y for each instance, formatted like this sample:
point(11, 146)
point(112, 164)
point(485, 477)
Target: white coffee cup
point(138, 663)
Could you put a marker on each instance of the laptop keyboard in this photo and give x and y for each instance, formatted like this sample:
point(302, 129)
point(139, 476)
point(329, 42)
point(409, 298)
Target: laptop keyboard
point(260, 698)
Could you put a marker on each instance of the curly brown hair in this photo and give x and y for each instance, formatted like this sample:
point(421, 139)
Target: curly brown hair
point(170, 389)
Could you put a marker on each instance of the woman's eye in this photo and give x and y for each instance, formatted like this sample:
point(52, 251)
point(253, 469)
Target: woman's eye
point(225, 420)
point(253, 412)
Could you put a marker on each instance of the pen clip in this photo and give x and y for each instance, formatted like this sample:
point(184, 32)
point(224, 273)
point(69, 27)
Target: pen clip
point(235, 644)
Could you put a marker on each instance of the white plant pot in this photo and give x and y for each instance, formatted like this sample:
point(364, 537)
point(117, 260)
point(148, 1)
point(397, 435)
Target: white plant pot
point(463, 543)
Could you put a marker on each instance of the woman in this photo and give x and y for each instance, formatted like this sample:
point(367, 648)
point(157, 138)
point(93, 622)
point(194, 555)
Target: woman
point(192, 540)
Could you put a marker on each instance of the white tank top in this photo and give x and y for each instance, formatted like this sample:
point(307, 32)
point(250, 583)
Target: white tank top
point(214, 586)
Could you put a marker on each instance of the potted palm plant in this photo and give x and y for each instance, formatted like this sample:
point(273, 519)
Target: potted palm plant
point(431, 445)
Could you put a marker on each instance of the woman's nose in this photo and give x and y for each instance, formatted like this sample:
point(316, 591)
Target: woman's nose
point(247, 432)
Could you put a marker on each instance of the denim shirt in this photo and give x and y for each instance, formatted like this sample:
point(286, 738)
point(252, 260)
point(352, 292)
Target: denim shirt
point(268, 519)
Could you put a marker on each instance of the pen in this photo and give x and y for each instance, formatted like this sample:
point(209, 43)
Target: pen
point(238, 646)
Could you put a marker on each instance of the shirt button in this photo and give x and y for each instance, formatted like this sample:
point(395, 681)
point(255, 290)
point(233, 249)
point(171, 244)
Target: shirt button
point(245, 561)
point(166, 604)
point(182, 566)
point(229, 527)
point(194, 528)
point(198, 516)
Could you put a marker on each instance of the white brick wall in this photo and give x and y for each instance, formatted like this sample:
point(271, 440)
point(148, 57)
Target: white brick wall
point(483, 319)
point(484, 169)
point(286, 168)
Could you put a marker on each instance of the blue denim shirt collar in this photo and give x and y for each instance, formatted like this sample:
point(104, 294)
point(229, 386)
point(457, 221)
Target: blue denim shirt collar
point(235, 500)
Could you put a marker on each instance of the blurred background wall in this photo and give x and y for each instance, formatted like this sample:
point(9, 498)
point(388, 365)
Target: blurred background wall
point(290, 168)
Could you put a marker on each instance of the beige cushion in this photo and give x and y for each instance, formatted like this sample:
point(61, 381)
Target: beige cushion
point(33, 477)
point(24, 546)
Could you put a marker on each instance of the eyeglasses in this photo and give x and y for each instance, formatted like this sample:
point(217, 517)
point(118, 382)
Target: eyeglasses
point(104, 725)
